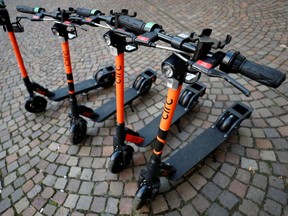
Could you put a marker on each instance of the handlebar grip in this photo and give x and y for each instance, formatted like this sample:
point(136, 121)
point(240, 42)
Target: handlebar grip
point(87, 12)
point(29, 10)
point(135, 25)
point(2, 4)
point(262, 74)
point(234, 62)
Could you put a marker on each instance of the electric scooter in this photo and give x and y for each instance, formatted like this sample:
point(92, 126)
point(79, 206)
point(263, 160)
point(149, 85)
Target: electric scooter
point(201, 61)
point(118, 40)
point(104, 78)
point(229, 121)
point(141, 86)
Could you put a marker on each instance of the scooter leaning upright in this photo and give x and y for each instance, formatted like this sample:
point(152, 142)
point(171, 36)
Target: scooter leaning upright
point(104, 77)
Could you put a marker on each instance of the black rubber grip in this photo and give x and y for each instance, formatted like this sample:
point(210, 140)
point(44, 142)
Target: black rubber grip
point(29, 10)
point(262, 74)
point(2, 4)
point(86, 12)
point(131, 23)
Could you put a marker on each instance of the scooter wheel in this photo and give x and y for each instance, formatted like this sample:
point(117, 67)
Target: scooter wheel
point(146, 87)
point(137, 83)
point(120, 159)
point(185, 99)
point(107, 80)
point(142, 196)
point(226, 124)
point(36, 104)
point(78, 131)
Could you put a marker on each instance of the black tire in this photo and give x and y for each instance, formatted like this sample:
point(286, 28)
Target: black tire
point(137, 83)
point(107, 80)
point(142, 196)
point(120, 159)
point(78, 131)
point(226, 124)
point(185, 99)
point(36, 104)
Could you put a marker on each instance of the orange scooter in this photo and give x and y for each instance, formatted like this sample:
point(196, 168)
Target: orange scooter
point(105, 77)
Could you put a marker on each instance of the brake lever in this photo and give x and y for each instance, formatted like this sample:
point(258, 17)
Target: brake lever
point(206, 68)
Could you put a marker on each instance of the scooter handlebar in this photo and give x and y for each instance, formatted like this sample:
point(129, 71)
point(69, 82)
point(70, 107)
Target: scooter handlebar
point(85, 12)
point(29, 10)
point(234, 62)
point(262, 74)
point(135, 25)
point(2, 4)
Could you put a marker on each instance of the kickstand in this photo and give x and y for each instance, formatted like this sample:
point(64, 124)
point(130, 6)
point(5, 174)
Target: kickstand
point(177, 123)
point(214, 158)
point(131, 107)
point(87, 96)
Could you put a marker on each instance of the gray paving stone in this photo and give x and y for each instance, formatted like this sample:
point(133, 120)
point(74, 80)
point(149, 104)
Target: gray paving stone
point(62, 171)
point(34, 191)
point(111, 206)
point(7, 191)
point(86, 188)
point(21, 205)
point(228, 199)
point(188, 210)
point(256, 195)
point(84, 202)
point(49, 210)
point(62, 212)
point(211, 191)
point(272, 207)
point(60, 183)
point(215, 209)
point(277, 195)
point(17, 195)
point(260, 181)
point(71, 201)
point(49, 180)
point(249, 208)
point(4, 204)
point(86, 174)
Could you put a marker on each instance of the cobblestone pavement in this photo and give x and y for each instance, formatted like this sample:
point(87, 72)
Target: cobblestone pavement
point(43, 174)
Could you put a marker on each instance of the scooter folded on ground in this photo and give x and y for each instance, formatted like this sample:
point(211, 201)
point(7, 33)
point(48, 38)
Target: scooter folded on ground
point(65, 27)
point(195, 52)
point(104, 77)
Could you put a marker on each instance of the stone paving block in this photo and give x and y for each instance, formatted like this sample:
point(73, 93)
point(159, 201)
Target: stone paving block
point(49, 210)
point(277, 195)
point(228, 199)
point(200, 203)
point(272, 207)
point(215, 209)
point(238, 188)
point(71, 201)
point(98, 204)
point(111, 206)
point(249, 208)
point(256, 195)
point(21, 205)
point(211, 191)
point(86, 188)
point(84, 202)
point(4, 204)
point(186, 191)
point(260, 181)
point(197, 181)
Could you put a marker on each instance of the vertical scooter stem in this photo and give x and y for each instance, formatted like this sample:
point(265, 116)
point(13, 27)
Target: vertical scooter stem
point(119, 64)
point(20, 62)
point(164, 126)
point(69, 76)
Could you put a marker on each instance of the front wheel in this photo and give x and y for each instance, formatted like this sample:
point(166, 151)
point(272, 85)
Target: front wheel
point(36, 104)
point(120, 159)
point(78, 131)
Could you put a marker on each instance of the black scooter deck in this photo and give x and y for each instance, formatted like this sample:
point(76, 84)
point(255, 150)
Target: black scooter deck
point(81, 87)
point(109, 108)
point(149, 132)
point(187, 157)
